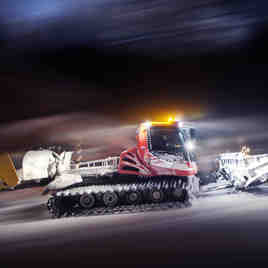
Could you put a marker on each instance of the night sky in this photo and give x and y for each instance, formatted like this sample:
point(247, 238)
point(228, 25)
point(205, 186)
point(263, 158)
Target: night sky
point(89, 71)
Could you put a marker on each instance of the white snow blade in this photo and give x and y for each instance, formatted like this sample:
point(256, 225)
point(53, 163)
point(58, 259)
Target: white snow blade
point(244, 170)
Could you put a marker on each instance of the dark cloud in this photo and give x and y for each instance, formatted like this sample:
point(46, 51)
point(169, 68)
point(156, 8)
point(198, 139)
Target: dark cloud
point(138, 26)
point(117, 63)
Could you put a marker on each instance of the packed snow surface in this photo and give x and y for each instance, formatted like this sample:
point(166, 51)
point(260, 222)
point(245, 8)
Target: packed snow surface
point(219, 223)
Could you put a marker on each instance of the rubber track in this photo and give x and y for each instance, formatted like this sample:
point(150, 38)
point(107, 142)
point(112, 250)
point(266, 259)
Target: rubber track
point(127, 209)
point(67, 202)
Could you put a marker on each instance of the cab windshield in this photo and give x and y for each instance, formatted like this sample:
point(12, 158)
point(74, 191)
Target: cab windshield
point(167, 139)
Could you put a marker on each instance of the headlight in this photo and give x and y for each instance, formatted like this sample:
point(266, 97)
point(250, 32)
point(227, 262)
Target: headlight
point(190, 146)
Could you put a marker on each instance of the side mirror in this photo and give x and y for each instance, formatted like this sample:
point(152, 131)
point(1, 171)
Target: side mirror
point(193, 134)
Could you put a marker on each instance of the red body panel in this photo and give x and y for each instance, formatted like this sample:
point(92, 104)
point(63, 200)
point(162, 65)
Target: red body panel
point(139, 161)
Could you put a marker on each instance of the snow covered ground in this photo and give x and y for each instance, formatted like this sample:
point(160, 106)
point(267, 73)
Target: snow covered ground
point(220, 228)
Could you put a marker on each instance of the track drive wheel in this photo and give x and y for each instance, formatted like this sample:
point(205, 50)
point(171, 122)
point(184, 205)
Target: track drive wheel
point(133, 197)
point(179, 194)
point(110, 199)
point(156, 195)
point(87, 201)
